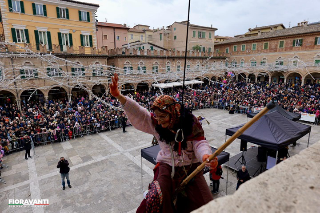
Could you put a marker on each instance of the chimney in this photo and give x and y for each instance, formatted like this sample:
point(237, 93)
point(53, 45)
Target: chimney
point(125, 25)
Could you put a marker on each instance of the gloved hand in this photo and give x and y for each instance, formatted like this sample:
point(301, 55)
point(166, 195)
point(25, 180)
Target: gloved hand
point(212, 164)
point(114, 86)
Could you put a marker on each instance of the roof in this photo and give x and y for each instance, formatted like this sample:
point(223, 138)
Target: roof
point(113, 25)
point(269, 26)
point(277, 33)
point(80, 2)
point(138, 30)
point(194, 25)
point(141, 43)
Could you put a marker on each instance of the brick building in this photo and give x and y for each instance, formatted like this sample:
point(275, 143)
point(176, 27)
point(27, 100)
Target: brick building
point(283, 55)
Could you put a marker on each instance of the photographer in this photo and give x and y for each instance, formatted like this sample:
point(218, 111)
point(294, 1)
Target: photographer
point(64, 170)
point(27, 146)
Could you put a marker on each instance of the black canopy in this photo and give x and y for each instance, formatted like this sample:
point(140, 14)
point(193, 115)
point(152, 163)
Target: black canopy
point(150, 154)
point(273, 131)
point(290, 115)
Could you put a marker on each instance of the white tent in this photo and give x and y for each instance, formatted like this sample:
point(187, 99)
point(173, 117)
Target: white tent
point(176, 84)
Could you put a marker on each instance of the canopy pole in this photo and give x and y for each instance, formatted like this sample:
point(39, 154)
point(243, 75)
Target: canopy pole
point(277, 157)
point(141, 174)
point(308, 139)
point(227, 177)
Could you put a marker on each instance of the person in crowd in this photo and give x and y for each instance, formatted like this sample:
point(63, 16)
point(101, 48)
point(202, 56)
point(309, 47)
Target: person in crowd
point(242, 176)
point(215, 175)
point(27, 146)
point(123, 122)
point(63, 164)
point(176, 159)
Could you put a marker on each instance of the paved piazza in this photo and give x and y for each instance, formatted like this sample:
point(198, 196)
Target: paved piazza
point(105, 169)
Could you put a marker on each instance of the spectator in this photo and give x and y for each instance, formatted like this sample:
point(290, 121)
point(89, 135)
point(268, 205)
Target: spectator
point(27, 146)
point(63, 164)
point(242, 176)
point(215, 175)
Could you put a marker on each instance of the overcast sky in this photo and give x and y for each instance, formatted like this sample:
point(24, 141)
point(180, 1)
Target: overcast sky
point(231, 17)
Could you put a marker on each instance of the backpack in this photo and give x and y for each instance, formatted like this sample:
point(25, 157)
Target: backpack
point(219, 171)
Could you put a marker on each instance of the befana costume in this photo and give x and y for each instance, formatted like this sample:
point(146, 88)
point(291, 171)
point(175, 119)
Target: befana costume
point(182, 146)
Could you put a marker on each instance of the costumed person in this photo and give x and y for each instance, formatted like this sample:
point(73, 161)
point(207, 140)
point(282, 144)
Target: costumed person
point(176, 158)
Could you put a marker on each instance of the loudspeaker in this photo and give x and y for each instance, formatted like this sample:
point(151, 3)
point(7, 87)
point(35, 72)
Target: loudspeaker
point(243, 145)
point(262, 154)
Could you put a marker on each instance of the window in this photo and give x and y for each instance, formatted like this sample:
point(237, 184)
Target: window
point(62, 13)
point(118, 38)
point(234, 64)
point(266, 45)
point(125, 38)
point(194, 34)
point(84, 16)
point(227, 50)
point(317, 41)
point(77, 71)
point(281, 44)
point(54, 72)
point(217, 50)
point(188, 67)
point(178, 68)
point(263, 62)
point(235, 47)
point(86, 41)
point(155, 68)
point(128, 70)
point(197, 67)
point(131, 36)
point(142, 69)
point(295, 63)
point(43, 37)
point(297, 42)
point(174, 29)
point(16, 6)
point(254, 46)
point(168, 68)
point(279, 62)
point(28, 73)
point(21, 38)
point(160, 36)
point(253, 63)
point(141, 37)
point(105, 37)
point(241, 63)
point(97, 71)
point(38, 9)
point(174, 37)
point(151, 47)
point(65, 39)
point(209, 34)
point(203, 49)
point(317, 63)
point(243, 47)
point(209, 49)
point(201, 34)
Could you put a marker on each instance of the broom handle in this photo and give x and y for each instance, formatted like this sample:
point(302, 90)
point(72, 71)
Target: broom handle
point(269, 106)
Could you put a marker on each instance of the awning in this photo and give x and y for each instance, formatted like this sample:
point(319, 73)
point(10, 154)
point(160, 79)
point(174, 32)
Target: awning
point(176, 84)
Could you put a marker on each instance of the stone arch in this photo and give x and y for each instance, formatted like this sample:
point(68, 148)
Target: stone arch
point(294, 78)
point(78, 92)
point(277, 77)
point(263, 77)
point(142, 86)
point(99, 90)
point(314, 79)
point(57, 92)
point(242, 76)
point(7, 97)
point(252, 78)
point(127, 88)
point(32, 95)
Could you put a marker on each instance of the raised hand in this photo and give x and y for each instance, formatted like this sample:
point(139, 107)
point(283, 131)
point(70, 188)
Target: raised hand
point(114, 86)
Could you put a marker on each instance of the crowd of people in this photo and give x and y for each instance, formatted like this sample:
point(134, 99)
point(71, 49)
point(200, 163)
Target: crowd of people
point(58, 120)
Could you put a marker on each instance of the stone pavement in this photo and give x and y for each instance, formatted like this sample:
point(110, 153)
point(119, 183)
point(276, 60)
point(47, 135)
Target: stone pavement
point(105, 169)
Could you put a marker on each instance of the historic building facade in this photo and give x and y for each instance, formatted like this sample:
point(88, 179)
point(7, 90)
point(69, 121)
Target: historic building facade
point(111, 35)
point(285, 55)
point(174, 37)
point(50, 26)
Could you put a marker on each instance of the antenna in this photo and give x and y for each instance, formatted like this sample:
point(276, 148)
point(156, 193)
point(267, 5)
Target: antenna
point(289, 23)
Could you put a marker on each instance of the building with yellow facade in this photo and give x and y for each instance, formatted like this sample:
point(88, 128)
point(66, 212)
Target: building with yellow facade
point(141, 33)
point(58, 26)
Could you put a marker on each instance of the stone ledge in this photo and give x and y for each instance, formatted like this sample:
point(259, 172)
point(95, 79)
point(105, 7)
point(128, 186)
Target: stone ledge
point(291, 186)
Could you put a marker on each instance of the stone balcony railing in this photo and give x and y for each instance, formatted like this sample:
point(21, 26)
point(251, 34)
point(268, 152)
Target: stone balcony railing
point(291, 186)
point(104, 51)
